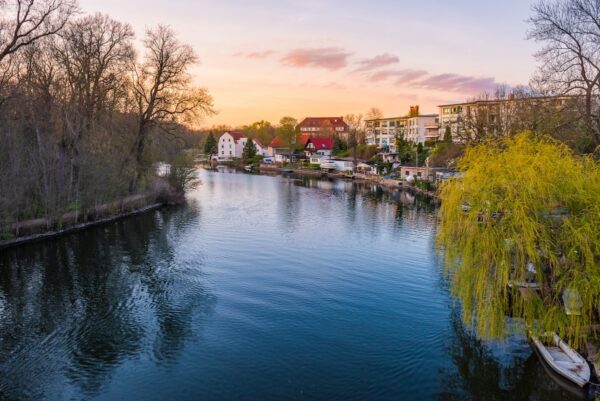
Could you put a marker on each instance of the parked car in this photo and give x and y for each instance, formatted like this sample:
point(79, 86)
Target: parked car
point(268, 160)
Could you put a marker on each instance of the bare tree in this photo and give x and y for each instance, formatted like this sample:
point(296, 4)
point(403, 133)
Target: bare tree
point(374, 113)
point(163, 91)
point(356, 134)
point(25, 21)
point(93, 52)
point(570, 31)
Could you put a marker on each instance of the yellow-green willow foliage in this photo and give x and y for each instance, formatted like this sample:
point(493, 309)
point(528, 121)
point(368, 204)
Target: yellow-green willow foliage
point(523, 199)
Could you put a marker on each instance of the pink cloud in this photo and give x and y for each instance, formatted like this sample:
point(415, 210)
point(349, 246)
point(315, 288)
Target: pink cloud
point(457, 83)
point(378, 61)
point(402, 76)
point(260, 54)
point(331, 58)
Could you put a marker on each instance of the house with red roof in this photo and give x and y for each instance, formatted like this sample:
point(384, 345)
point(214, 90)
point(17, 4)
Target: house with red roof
point(230, 145)
point(322, 146)
point(324, 126)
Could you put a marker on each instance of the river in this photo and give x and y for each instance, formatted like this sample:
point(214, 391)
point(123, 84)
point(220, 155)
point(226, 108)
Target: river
point(260, 288)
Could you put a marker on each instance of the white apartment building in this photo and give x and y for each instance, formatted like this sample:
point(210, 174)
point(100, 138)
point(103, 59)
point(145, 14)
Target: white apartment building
point(417, 128)
point(494, 115)
point(382, 132)
point(422, 128)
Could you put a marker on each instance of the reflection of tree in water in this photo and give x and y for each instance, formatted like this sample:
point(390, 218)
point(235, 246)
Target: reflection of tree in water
point(76, 308)
point(479, 374)
point(289, 205)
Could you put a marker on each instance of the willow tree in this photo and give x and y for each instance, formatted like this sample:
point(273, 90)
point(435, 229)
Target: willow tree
point(524, 206)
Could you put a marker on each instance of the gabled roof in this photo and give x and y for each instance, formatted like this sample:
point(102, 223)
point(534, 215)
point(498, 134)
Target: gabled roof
point(236, 135)
point(278, 143)
point(321, 121)
point(275, 143)
point(259, 143)
point(321, 143)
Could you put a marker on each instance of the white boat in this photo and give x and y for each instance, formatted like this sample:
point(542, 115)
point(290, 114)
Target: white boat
point(563, 359)
point(249, 167)
point(328, 165)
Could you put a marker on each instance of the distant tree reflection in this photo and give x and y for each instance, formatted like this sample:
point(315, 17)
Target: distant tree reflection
point(76, 308)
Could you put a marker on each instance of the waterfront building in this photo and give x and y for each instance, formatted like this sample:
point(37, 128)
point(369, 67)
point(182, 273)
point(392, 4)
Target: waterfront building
point(318, 145)
point(422, 128)
point(382, 131)
point(324, 126)
point(414, 127)
point(261, 149)
point(231, 146)
point(489, 116)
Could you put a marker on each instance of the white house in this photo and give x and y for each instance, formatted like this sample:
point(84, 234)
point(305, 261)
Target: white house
point(260, 148)
point(231, 145)
point(319, 146)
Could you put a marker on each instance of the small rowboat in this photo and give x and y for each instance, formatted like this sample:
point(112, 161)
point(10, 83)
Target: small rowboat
point(328, 165)
point(563, 359)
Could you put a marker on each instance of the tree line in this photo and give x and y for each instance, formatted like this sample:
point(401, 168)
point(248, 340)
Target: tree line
point(83, 113)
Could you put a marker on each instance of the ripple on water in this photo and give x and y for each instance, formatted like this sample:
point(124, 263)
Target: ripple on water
point(261, 287)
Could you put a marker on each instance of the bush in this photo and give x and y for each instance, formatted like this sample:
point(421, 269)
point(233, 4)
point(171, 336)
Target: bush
point(182, 174)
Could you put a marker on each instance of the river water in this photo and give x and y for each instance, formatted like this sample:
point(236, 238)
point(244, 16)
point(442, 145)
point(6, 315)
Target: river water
point(261, 288)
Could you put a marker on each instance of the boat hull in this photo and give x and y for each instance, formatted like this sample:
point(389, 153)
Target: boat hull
point(563, 360)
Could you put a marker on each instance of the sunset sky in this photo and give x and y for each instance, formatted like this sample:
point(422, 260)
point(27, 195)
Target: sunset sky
point(266, 59)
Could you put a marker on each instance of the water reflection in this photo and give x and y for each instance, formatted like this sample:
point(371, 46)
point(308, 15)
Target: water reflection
point(498, 371)
point(326, 289)
point(75, 309)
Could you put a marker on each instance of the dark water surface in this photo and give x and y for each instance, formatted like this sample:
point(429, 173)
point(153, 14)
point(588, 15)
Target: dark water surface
point(262, 288)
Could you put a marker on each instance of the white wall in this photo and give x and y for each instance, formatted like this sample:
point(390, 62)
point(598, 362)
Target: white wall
point(227, 146)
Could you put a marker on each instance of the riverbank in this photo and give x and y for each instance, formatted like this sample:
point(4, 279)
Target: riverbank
point(44, 228)
point(358, 177)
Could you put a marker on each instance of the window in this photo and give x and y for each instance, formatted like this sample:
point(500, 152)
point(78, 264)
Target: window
point(392, 123)
point(419, 174)
point(407, 172)
point(447, 110)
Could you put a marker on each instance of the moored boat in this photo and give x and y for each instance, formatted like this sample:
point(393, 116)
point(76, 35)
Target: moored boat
point(563, 359)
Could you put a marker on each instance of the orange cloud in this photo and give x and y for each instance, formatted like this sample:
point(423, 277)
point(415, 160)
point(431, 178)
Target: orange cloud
point(331, 58)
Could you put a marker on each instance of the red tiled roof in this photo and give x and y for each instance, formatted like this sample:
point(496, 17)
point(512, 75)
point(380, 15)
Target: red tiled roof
point(320, 121)
point(259, 143)
point(237, 135)
point(321, 143)
point(275, 143)
point(278, 143)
